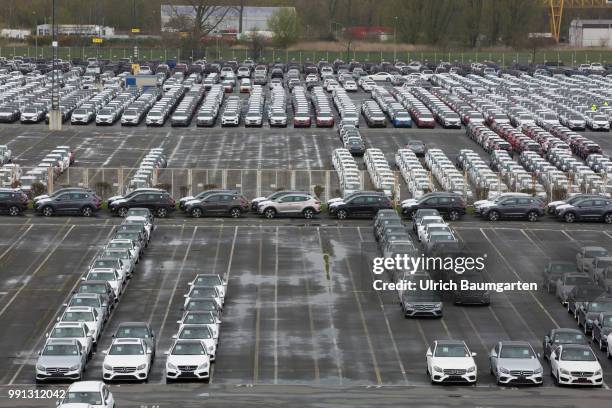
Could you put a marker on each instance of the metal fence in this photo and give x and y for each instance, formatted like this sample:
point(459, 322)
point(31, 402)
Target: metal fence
point(570, 57)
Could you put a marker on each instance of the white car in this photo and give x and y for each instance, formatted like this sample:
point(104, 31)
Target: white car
point(435, 226)
point(94, 393)
point(204, 318)
point(147, 224)
point(451, 361)
point(429, 219)
point(187, 359)
point(127, 358)
point(204, 280)
point(73, 330)
point(87, 315)
point(204, 292)
point(125, 244)
point(107, 274)
point(575, 364)
point(381, 76)
point(199, 332)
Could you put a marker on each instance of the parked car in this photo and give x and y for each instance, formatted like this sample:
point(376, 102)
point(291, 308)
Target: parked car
point(447, 204)
point(588, 210)
point(159, 203)
point(215, 204)
point(83, 203)
point(451, 361)
point(13, 201)
point(529, 208)
point(127, 359)
point(515, 363)
point(297, 204)
point(561, 336)
point(574, 364)
point(94, 394)
point(187, 359)
point(61, 359)
point(362, 204)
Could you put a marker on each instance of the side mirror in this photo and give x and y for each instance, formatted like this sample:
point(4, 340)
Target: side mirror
point(58, 319)
point(167, 352)
point(539, 355)
point(178, 322)
point(65, 304)
point(474, 354)
point(185, 296)
point(429, 353)
point(494, 354)
point(174, 336)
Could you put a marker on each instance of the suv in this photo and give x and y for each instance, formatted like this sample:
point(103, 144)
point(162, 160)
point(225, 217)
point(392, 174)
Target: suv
point(588, 210)
point(449, 204)
point(363, 204)
point(290, 204)
point(218, 204)
point(160, 203)
point(515, 207)
point(13, 201)
point(200, 196)
point(84, 203)
point(277, 194)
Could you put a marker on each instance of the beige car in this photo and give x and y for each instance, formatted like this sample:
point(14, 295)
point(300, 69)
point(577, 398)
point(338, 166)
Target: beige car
point(297, 204)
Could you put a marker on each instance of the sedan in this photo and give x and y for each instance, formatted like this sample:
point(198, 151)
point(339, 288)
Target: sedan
point(187, 359)
point(451, 361)
point(514, 363)
point(61, 359)
point(573, 364)
point(199, 332)
point(127, 359)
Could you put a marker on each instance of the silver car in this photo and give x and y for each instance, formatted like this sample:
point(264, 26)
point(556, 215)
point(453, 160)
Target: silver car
point(61, 359)
point(515, 363)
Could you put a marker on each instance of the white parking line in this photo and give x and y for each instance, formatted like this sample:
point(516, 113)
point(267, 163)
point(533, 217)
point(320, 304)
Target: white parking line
point(15, 242)
point(276, 309)
point(258, 310)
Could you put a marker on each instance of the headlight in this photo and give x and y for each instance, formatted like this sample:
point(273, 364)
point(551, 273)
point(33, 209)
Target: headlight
point(409, 305)
point(438, 369)
point(502, 370)
point(41, 367)
point(211, 349)
point(108, 367)
point(203, 365)
point(598, 372)
point(171, 366)
point(563, 371)
point(141, 367)
point(74, 367)
point(538, 370)
point(438, 305)
point(471, 369)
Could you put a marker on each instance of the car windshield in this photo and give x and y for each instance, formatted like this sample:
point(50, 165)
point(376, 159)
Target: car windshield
point(600, 307)
point(577, 280)
point(516, 352)
point(563, 267)
point(92, 398)
point(203, 293)
point(570, 338)
point(119, 245)
point(607, 321)
point(451, 350)
point(89, 288)
point(199, 318)
point(85, 301)
point(77, 317)
point(182, 349)
point(126, 350)
point(107, 276)
point(105, 264)
point(441, 237)
point(60, 350)
point(201, 305)
point(201, 332)
point(577, 354)
point(67, 332)
point(595, 253)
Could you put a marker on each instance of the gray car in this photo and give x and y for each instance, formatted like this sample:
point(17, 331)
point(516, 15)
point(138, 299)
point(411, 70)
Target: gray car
point(515, 363)
point(61, 359)
point(566, 283)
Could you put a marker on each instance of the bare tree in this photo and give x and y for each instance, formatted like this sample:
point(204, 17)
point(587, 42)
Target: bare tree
point(205, 16)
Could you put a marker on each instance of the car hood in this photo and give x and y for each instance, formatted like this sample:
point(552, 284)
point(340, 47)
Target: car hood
point(113, 198)
point(454, 362)
point(118, 201)
point(258, 199)
point(555, 203)
point(409, 202)
point(58, 361)
point(185, 199)
point(188, 360)
point(482, 203)
point(580, 365)
point(120, 361)
point(519, 363)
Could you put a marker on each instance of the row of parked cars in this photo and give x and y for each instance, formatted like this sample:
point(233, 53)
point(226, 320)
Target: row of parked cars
point(349, 176)
point(322, 108)
point(417, 178)
point(380, 173)
point(209, 110)
point(72, 341)
point(163, 108)
point(351, 139)
point(184, 111)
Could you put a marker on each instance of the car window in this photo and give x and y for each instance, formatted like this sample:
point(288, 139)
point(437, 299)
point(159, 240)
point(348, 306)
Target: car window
point(599, 203)
point(358, 200)
point(444, 200)
point(372, 200)
point(63, 197)
point(213, 199)
point(510, 201)
point(524, 201)
point(432, 201)
point(586, 203)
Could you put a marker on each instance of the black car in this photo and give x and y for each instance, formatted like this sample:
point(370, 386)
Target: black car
point(470, 297)
point(133, 193)
point(13, 201)
point(557, 337)
point(200, 196)
point(581, 294)
point(588, 311)
point(364, 204)
point(84, 203)
point(417, 147)
point(553, 271)
point(529, 208)
point(230, 204)
point(449, 205)
point(602, 327)
point(159, 203)
point(589, 209)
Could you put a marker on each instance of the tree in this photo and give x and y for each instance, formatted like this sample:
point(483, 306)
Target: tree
point(204, 17)
point(284, 26)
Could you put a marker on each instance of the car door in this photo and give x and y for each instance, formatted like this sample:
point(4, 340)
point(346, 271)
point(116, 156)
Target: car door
point(4, 199)
point(586, 209)
point(137, 200)
point(211, 204)
point(598, 209)
point(507, 208)
point(442, 205)
point(494, 358)
point(357, 206)
point(523, 206)
point(62, 203)
point(430, 203)
point(371, 206)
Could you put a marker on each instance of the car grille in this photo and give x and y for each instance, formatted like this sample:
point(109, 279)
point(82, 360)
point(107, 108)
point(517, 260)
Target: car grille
point(455, 372)
point(124, 369)
point(582, 373)
point(423, 307)
point(54, 370)
point(519, 373)
point(187, 368)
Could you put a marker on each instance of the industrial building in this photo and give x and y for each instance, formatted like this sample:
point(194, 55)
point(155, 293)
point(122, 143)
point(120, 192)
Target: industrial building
point(590, 33)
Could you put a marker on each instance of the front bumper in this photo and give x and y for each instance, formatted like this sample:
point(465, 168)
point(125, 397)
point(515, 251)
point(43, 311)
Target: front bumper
point(125, 373)
point(570, 379)
point(57, 374)
point(522, 378)
point(423, 311)
point(454, 376)
point(185, 372)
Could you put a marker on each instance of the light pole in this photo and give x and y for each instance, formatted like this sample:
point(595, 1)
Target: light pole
point(395, 39)
point(55, 117)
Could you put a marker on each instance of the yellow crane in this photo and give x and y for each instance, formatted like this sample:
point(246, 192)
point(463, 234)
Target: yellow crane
point(556, 8)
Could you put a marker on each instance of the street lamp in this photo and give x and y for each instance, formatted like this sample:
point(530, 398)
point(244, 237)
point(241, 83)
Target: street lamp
point(395, 39)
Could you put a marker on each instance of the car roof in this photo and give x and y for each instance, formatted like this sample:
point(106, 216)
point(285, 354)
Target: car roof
point(137, 324)
point(127, 340)
point(515, 343)
point(450, 342)
point(80, 386)
point(565, 330)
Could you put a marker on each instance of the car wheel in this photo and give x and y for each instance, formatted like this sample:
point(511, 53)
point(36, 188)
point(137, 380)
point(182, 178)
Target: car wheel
point(454, 215)
point(341, 214)
point(162, 212)
point(532, 216)
point(14, 211)
point(196, 212)
point(270, 213)
point(493, 216)
point(569, 217)
point(608, 218)
point(87, 211)
point(122, 212)
point(235, 212)
point(308, 213)
point(47, 211)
